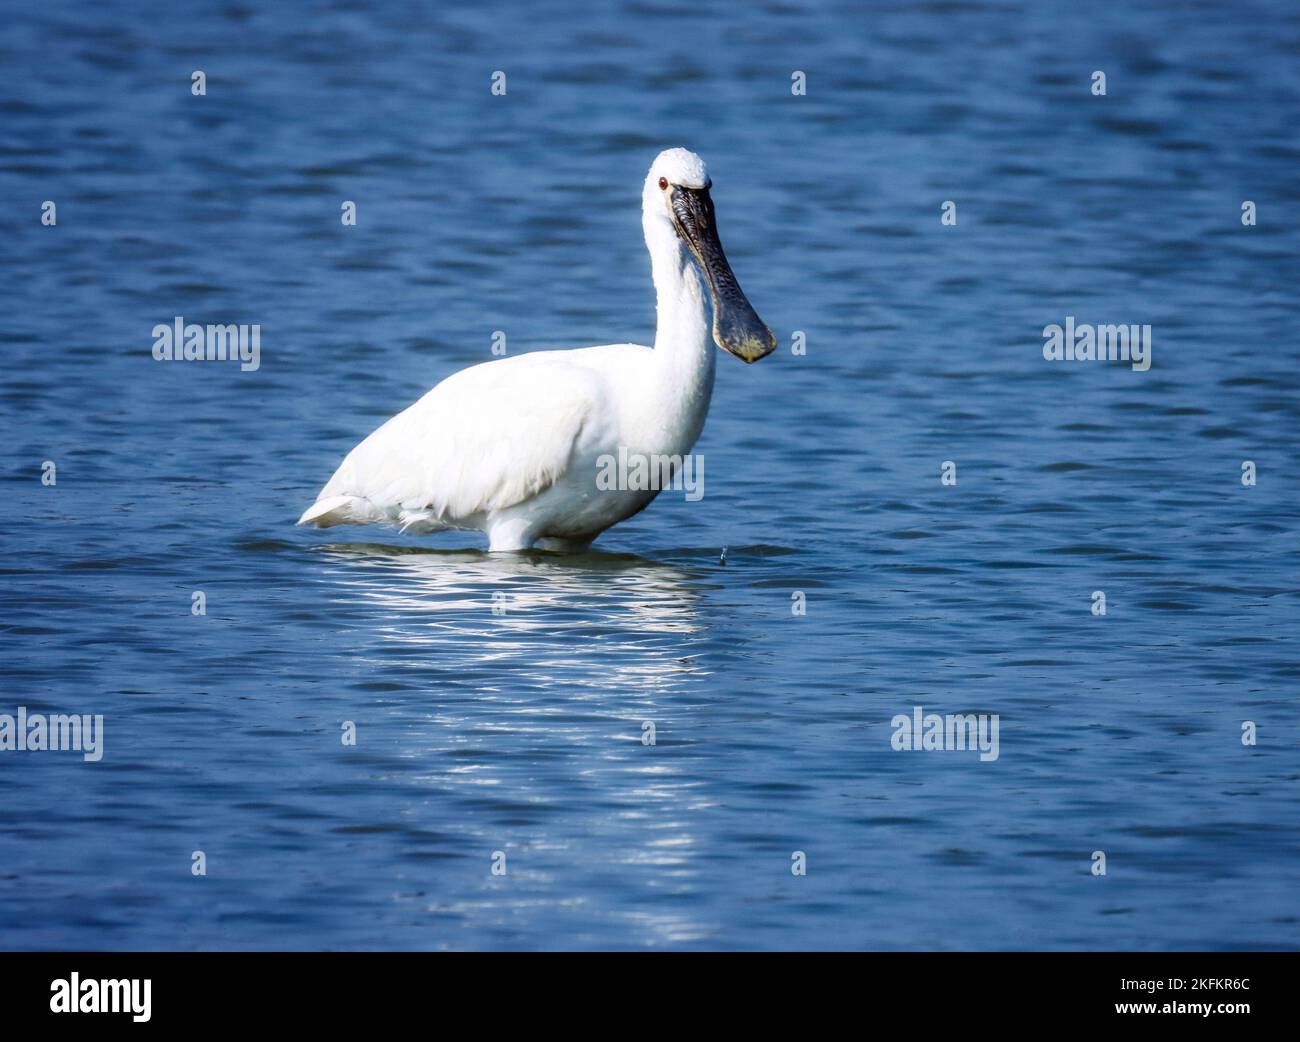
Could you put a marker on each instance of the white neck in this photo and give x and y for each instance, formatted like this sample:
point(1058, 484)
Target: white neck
point(684, 355)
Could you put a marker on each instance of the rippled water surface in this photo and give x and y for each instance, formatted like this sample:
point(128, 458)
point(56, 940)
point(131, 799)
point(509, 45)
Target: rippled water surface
point(522, 732)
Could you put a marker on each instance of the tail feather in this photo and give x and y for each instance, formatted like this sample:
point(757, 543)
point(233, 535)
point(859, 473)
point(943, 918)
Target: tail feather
point(339, 510)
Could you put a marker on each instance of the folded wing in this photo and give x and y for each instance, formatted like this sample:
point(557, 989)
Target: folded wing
point(483, 440)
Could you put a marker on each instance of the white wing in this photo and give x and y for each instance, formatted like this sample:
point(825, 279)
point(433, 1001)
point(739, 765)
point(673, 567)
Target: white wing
point(486, 438)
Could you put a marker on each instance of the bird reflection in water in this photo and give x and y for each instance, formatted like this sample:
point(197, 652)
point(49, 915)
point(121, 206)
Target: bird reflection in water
point(515, 691)
point(435, 596)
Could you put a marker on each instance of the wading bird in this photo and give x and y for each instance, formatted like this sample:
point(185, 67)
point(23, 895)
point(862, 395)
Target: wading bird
point(512, 447)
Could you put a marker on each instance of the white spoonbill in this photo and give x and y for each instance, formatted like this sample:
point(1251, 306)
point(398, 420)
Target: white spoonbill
point(513, 447)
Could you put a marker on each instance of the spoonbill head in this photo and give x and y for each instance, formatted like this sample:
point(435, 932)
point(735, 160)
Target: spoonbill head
point(676, 196)
point(515, 447)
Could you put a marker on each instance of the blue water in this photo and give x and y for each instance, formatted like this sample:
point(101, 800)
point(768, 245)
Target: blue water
point(522, 732)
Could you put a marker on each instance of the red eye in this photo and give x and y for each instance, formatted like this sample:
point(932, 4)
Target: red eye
point(663, 182)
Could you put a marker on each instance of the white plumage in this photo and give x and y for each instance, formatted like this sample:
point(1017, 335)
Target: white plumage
point(511, 447)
